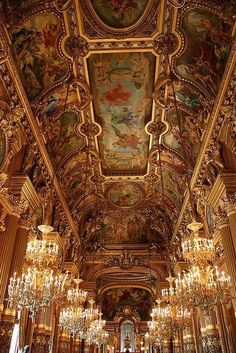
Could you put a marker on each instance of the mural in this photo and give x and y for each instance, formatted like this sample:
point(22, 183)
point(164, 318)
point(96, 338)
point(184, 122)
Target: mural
point(188, 146)
point(2, 147)
point(56, 100)
point(209, 43)
point(173, 186)
point(134, 228)
point(22, 4)
point(122, 86)
point(119, 13)
point(60, 135)
point(36, 55)
point(124, 195)
point(138, 298)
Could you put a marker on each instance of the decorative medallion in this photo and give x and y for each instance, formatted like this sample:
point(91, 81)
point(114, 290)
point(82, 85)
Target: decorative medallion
point(89, 129)
point(165, 43)
point(156, 128)
point(76, 47)
point(125, 194)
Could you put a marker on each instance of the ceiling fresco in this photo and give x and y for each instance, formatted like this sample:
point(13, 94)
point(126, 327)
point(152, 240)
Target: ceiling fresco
point(119, 14)
point(137, 298)
point(120, 93)
point(209, 42)
point(122, 86)
point(35, 48)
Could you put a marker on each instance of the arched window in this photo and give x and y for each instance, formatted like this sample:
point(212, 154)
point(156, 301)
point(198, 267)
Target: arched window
point(127, 330)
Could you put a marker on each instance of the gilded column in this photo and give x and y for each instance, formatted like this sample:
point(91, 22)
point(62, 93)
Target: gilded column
point(222, 329)
point(19, 249)
point(7, 241)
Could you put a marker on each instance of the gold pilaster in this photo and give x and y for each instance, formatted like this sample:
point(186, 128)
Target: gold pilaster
point(7, 241)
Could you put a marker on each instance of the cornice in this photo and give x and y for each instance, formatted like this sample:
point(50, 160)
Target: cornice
point(20, 184)
point(225, 184)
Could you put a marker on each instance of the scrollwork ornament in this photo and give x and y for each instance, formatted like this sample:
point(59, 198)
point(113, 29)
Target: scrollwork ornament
point(229, 203)
point(165, 43)
point(76, 47)
point(19, 204)
point(3, 55)
point(177, 3)
point(63, 5)
point(89, 129)
point(156, 128)
point(3, 215)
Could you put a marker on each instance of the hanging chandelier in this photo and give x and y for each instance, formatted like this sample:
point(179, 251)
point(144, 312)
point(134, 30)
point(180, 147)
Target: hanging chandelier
point(39, 285)
point(198, 250)
point(96, 333)
point(76, 296)
point(71, 320)
point(40, 251)
point(202, 285)
point(36, 289)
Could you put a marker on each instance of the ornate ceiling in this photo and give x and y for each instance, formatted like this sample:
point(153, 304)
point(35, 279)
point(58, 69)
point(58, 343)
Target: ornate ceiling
point(120, 93)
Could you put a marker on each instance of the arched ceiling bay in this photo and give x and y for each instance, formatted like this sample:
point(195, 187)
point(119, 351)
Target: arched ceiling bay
point(96, 74)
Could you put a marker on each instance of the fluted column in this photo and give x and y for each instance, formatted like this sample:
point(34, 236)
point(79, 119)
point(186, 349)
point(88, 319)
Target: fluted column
point(222, 329)
point(19, 250)
point(7, 241)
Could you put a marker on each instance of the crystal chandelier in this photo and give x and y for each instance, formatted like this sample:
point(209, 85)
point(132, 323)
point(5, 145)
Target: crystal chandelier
point(198, 250)
point(202, 285)
point(71, 320)
point(76, 296)
point(38, 286)
point(96, 333)
point(35, 289)
point(42, 252)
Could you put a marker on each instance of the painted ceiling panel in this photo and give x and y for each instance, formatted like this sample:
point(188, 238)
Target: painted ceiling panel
point(35, 47)
point(116, 51)
point(119, 13)
point(122, 86)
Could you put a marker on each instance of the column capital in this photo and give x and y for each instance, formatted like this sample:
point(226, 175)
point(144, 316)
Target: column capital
point(220, 220)
point(228, 202)
point(225, 184)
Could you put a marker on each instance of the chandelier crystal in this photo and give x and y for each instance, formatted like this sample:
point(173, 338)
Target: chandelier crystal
point(196, 249)
point(96, 333)
point(40, 284)
point(202, 285)
point(71, 319)
point(41, 252)
point(35, 289)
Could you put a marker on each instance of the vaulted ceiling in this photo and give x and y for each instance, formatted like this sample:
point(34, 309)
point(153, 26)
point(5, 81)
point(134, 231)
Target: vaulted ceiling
point(121, 92)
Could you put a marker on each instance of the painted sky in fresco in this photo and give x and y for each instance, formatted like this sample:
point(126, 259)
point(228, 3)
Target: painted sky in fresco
point(122, 86)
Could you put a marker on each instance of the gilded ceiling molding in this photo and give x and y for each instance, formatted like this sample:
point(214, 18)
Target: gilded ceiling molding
point(144, 26)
